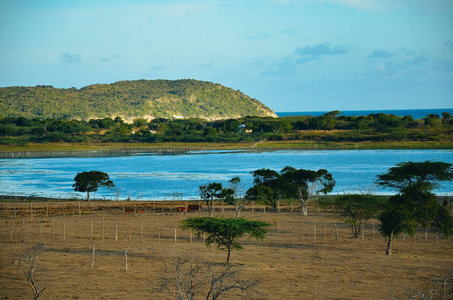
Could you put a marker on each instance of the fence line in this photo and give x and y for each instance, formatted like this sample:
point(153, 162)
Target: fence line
point(99, 152)
point(134, 230)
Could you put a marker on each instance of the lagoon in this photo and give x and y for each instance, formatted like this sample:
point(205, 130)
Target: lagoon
point(167, 177)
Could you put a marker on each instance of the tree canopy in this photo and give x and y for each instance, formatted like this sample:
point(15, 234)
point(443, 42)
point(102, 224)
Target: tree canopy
point(225, 232)
point(358, 209)
point(410, 174)
point(91, 181)
point(270, 186)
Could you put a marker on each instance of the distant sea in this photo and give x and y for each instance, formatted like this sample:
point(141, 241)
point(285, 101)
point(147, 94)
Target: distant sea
point(415, 113)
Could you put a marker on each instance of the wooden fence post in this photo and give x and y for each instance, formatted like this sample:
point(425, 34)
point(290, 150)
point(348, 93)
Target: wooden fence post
point(51, 229)
point(336, 232)
point(158, 231)
point(130, 228)
point(314, 233)
point(94, 249)
point(125, 258)
point(116, 232)
point(26, 230)
point(302, 235)
point(175, 235)
point(64, 231)
point(374, 233)
point(141, 233)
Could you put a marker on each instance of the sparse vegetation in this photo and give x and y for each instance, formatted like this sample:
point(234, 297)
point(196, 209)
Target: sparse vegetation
point(287, 265)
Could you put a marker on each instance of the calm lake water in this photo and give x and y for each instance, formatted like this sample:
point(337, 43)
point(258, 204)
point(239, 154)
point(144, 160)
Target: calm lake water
point(167, 176)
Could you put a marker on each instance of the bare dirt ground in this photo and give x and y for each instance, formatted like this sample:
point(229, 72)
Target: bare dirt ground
point(293, 263)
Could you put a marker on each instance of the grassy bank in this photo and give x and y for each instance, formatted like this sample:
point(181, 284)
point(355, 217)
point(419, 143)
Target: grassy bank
point(229, 146)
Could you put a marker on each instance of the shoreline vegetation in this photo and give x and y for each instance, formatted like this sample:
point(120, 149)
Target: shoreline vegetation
point(119, 149)
point(22, 137)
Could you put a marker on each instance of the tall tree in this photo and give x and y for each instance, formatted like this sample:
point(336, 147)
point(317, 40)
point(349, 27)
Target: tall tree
point(90, 182)
point(305, 184)
point(266, 189)
point(210, 191)
point(415, 204)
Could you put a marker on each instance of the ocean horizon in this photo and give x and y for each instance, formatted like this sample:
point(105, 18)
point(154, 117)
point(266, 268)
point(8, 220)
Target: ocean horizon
point(415, 113)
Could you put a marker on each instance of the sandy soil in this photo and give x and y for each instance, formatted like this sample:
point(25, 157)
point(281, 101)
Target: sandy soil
point(290, 264)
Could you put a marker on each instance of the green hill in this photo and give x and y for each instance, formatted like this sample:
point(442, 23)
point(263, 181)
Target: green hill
point(131, 99)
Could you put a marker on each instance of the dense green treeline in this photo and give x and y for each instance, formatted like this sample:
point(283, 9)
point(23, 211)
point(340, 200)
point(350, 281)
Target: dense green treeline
point(326, 128)
point(131, 99)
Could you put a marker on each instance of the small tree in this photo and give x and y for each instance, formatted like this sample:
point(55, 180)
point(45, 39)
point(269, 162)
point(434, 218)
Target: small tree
point(225, 232)
point(91, 181)
point(191, 276)
point(415, 204)
point(28, 260)
point(210, 191)
point(183, 281)
point(358, 209)
point(232, 197)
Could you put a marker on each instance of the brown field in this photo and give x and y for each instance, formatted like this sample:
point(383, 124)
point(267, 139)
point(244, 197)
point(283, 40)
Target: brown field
point(290, 264)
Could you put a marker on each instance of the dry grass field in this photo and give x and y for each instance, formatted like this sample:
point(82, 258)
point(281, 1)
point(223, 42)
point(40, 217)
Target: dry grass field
point(292, 263)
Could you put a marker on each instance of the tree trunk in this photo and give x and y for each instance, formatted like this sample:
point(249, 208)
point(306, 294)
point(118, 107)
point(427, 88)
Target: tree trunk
point(389, 245)
point(211, 208)
point(88, 196)
point(303, 207)
point(228, 256)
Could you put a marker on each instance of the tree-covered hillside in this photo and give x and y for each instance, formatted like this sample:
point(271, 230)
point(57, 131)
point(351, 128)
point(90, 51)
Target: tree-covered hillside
point(130, 100)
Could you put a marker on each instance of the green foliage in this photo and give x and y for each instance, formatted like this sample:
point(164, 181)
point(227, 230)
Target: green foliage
point(91, 181)
point(415, 205)
point(358, 209)
point(209, 192)
point(270, 186)
point(132, 99)
point(375, 128)
point(407, 174)
point(225, 232)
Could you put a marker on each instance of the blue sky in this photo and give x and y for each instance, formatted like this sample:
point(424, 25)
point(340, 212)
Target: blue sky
point(292, 55)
